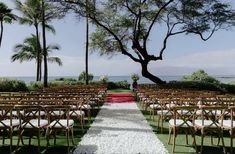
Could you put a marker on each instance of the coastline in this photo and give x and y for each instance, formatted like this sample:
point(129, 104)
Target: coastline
point(28, 79)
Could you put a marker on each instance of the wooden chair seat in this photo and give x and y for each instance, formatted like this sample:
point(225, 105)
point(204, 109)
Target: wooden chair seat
point(180, 123)
point(9, 123)
point(62, 123)
point(36, 123)
point(206, 124)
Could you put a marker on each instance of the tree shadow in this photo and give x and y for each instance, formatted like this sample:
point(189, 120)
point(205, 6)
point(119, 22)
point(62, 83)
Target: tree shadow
point(85, 149)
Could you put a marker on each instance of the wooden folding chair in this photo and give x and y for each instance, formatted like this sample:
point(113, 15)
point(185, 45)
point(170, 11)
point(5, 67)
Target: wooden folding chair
point(59, 122)
point(32, 120)
point(208, 122)
point(7, 122)
point(183, 120)
point(229, 125)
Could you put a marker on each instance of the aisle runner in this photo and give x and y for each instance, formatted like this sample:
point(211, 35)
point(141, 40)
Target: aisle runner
point(120, 98)
point(120, 128)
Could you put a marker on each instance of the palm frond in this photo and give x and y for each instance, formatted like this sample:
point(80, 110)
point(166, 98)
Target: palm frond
point(55, 60)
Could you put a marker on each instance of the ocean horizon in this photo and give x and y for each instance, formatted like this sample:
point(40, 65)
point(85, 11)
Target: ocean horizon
point(167, 78)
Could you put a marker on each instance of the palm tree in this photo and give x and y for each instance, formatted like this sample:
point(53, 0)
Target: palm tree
point(28, 51)
point(5, 16)
point(32, 15)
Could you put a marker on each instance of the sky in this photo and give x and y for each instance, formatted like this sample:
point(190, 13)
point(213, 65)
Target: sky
point(184, 53)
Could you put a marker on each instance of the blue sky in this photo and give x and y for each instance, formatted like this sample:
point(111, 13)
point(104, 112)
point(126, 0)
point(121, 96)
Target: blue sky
point(184, 54)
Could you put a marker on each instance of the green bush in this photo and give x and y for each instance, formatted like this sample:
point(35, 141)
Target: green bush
point(197, 85)
point(35, 85)
point(200, 76)
point(12, 85)
point(120, 84)
point(135, 77)
point(82, 76)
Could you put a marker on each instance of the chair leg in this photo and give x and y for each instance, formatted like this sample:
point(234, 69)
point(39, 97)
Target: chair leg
point(67, 134)
point(30, 136)
point(47, 137)
point(202, 139)
point(38, 136)
point(10, 135)
point(194, 139)
point(54, 135)
point(222, 139)
point(89, 116)
point(174, 138)
point(186, 135)
point(161, 125)
point(72, 136)
point(231, 144)
point(81, 122)
point(169, 139)
point(3, 138)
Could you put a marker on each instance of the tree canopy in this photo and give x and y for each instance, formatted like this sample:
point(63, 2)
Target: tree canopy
point(124, 26)
point(201, 76)
point(6, 16)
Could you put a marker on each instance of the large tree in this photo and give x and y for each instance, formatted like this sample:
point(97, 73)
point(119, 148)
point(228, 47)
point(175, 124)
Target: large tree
point(31, 11)
point(32, 14)
point(125, 26)
point(28, 50)
point(5, 16)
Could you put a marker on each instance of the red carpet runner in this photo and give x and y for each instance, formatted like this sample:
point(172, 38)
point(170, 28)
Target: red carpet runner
point(120, 98)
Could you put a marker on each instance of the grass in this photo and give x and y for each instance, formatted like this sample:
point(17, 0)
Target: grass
point(120, 91)
point(181, 146)
point(61, 141)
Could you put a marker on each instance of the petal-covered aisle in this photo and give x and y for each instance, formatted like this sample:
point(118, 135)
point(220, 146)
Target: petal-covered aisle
point(120, 128)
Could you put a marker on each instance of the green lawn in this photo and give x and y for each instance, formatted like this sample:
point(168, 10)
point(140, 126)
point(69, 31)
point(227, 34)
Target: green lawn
point(181, 147)
point(61, 141)
point(120, 91)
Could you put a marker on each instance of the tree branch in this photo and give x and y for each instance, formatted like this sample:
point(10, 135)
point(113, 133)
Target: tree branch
point(116, 38)
point(154, 20)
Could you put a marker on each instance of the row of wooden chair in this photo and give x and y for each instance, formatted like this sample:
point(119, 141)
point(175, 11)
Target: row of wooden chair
point(186, 119)
point(47, 111)
point(180, 105)
point(35, 119)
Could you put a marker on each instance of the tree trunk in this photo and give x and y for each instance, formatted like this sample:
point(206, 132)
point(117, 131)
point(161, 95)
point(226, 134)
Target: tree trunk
point(45, 82)
point(40, 70)
point(1, 33)
point(87, 45)
point(150, 76)
point(38, 54)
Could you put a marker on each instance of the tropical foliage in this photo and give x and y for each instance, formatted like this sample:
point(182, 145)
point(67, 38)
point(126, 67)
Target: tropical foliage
point(82, 76)
point(5, 17)
point(27, 51)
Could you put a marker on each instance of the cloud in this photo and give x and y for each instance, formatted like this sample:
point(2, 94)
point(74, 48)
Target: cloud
point(215, 62)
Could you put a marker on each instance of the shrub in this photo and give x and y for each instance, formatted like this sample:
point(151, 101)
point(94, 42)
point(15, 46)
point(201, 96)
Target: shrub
point(135, 77)
point(200, 76)
point(104, 79)
point(35, 85)
point(12, 85)
point(82, 76)
point(120, 84)
point(197, 85)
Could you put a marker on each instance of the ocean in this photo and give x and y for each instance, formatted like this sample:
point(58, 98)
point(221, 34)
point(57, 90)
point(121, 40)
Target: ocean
point(223, 79)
